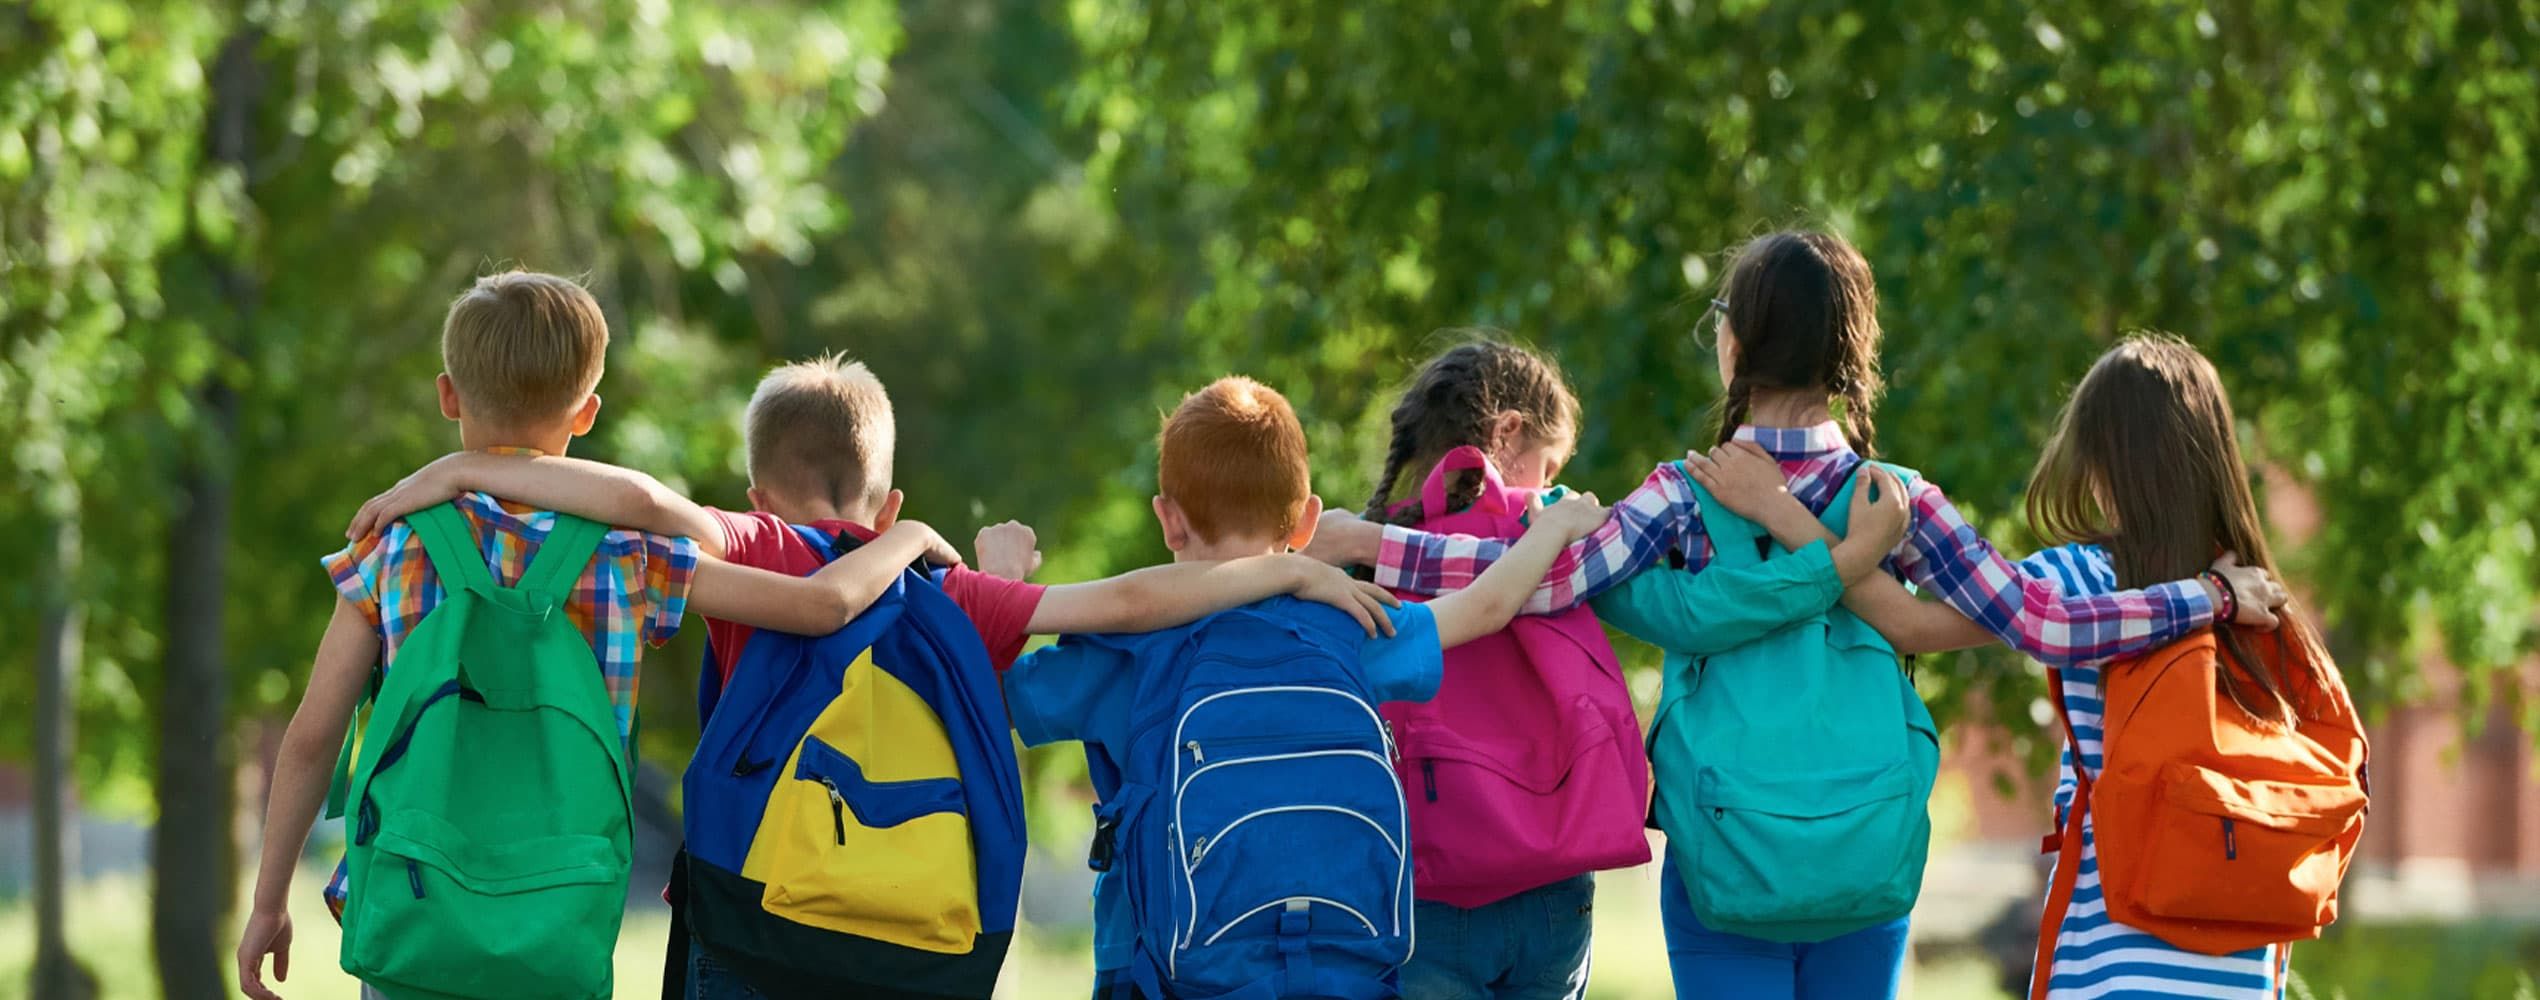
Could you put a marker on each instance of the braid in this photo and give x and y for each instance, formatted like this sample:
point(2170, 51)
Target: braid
point(1408, 414)
point(1857, 424)
point(1733, 407)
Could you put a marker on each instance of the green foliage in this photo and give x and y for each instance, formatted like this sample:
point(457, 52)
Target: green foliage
point(2333, 200)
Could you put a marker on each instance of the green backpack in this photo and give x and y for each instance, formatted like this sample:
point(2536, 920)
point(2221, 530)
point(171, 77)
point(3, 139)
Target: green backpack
point(491, 829)
point(1794, 770)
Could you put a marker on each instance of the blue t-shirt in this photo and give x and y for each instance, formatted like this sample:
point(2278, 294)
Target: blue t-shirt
point(1080, 691)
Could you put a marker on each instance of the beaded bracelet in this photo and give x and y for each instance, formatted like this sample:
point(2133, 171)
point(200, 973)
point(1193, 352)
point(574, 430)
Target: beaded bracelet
point(2230, 608)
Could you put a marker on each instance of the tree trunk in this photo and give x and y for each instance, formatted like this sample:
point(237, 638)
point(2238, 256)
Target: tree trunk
point(58, 973)
point(194, 869)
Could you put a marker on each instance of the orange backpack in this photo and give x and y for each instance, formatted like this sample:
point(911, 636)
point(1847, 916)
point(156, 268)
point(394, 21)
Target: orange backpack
point(2215, 834)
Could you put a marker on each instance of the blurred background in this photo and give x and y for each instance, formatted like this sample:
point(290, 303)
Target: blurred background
point(227, 232)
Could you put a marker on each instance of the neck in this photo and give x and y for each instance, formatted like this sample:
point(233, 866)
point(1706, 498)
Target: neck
point(800, 512)
point(549, 440)
point(1224, 549)
point(1788, 408)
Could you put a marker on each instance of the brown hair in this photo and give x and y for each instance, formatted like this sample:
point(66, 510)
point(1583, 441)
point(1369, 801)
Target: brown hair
point(1452, 403)
point(523, 347)
point(1232, 456)
point(2149, 433)
point(1805, 313)
point(821, 429)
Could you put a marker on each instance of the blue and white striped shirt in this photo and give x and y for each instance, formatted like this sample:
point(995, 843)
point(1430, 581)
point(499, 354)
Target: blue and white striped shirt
point(2097, 958)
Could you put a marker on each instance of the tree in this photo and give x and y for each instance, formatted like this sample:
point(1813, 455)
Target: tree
point(2293, 186)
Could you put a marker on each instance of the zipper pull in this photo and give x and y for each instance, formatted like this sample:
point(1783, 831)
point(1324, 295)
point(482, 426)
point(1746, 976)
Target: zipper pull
point(414, 877)
point(837, 810)
point(1199, 848)
point(2231, 843)
point(1429, 776)
point(1196, 756)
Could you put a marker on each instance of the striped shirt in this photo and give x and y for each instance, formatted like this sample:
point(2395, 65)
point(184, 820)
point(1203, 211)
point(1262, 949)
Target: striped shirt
point(2097, 958)
point(1941, 553)
point(631, 596)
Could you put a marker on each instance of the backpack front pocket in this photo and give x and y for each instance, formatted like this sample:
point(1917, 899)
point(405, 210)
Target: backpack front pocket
point(2249, 852)
point(1253, 862)
point(1815, 847)
point(528, 918)
point(886, 860)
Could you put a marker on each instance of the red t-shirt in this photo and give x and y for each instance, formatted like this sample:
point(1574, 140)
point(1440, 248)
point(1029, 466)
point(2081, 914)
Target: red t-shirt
point(999, 608)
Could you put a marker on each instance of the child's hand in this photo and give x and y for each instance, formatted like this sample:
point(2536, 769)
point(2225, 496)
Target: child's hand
point(2253, 589)
point(1878, 519)
point(1364, 601)
point(267, 933)
point(1574, 518)
point(1743, 477)
point(933, 549)
point(1010, 550)
point(1342, 538)
point(430, 486)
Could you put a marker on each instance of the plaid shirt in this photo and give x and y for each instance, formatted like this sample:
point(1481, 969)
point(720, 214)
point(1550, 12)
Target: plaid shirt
point(1941, 553)
point(632, 595)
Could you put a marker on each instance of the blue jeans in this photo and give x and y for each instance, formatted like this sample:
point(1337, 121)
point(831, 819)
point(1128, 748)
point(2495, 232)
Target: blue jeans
point(1530, 946)
point(710, 979)
point(1864, 964)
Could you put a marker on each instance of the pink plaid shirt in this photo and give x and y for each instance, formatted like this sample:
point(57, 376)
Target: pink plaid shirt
point(1941, 553)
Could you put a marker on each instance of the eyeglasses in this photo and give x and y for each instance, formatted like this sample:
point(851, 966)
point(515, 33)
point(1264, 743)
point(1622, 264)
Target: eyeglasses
point(1706, 331)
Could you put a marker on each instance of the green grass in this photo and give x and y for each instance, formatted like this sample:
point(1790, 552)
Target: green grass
point(110, 918)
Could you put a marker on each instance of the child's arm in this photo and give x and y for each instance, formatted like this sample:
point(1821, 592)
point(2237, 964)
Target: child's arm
point(1658, 516)
point(1503, 589)
point(817, 604)
point(1735, 474)
point(301, 772)
point(596, 490)
point(1160, 597)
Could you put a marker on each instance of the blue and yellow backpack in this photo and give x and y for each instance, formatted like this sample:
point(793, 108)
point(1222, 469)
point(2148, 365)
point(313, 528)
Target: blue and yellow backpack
point(854, 810)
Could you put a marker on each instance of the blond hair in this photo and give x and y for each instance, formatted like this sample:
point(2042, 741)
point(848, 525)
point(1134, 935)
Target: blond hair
point(821, 429)
point(524, 347)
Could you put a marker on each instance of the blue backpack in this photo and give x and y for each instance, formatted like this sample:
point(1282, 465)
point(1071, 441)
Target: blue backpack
point(854, 812)
point(1254, 815)
point(1795, 770)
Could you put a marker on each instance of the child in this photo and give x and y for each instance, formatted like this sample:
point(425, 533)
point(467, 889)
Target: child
point(2143, 479)
point(1232, 477)
point(523, 352)
point(1798, 334)
point(820, 440)
point(1520, 688)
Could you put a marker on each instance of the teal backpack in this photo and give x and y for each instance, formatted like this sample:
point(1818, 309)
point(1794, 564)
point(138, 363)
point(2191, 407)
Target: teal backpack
point(1794, 771)
point(491, 833)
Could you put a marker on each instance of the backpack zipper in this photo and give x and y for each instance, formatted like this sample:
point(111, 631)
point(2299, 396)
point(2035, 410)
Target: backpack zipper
point(2231, 844)
point(414, 877)
point(1429, 777)
point(837, 810)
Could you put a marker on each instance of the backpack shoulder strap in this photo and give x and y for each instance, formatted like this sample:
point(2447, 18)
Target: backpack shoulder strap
point(452, 547)
point(1731, 535)
point(560, 559)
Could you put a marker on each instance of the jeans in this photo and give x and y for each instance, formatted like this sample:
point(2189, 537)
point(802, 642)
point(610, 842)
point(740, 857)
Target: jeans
point(1863, 965)
point(710, 979)
point(1530, 946)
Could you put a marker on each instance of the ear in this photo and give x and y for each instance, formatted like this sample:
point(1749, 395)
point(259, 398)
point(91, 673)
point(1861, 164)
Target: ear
point(759, 501)
point(1505, 428)
point(449, 395)
point(1306, 520)
point(586, 415)
point(1177, 528)
point(890, 513)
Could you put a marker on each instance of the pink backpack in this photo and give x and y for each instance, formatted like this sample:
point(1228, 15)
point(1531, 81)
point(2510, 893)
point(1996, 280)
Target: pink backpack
point(1527, 768)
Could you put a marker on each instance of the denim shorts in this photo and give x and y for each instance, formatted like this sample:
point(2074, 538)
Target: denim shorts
point(1530, 946)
